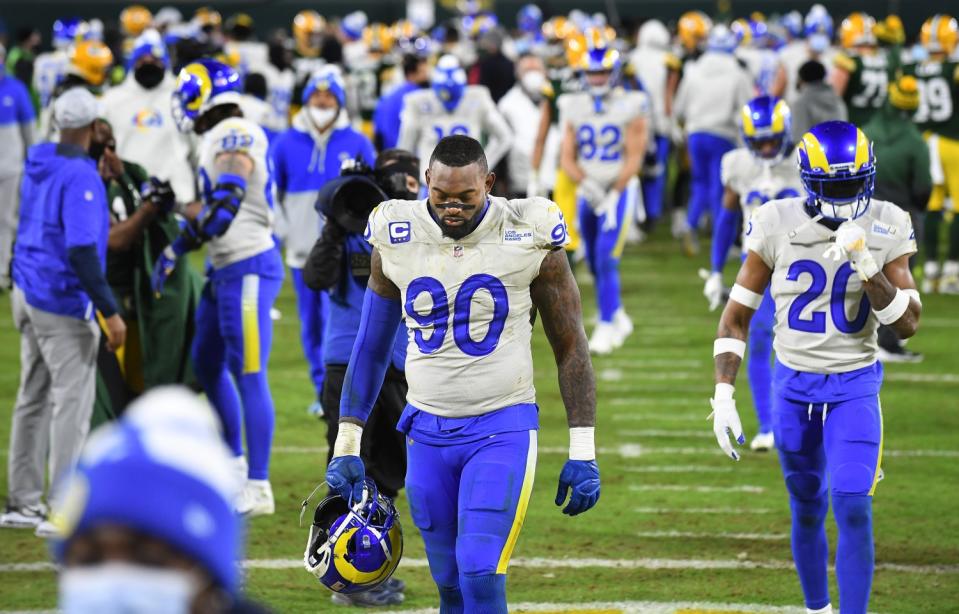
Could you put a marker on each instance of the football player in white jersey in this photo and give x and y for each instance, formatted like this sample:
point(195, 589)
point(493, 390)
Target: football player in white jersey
point(448, 107)
point(836, 262)
point(604, 141)
point(233, 326)
point(51, 66)
point(763, 170)
point(464, 270)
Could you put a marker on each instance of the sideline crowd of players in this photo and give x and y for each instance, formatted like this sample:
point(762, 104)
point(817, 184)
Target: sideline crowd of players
point(703, 124)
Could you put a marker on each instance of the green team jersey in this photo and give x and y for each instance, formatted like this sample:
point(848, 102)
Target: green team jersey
point(562, 80)
point(938, 97)
point(868, 84)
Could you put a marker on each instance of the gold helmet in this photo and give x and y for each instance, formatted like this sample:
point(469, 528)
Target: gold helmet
point(939, 34)
point(856, 30)
point(378, 38)
point(307, 28)
point(90, 60)
point(558, 29)
point(207, 18)
point(404, 30)
point(135, 19)
point(693, 28)
point(575, 49)
point(890, 30)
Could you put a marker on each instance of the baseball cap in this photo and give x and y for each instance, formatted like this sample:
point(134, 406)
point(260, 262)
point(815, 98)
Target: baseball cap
point(75, 108)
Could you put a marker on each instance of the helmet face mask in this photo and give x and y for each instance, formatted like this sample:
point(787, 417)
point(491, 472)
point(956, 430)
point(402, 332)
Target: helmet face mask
point(354, 548)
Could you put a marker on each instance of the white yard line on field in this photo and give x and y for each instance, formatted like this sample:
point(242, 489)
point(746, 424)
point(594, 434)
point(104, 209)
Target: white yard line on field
point(691, 488)
point(677, 469)
point(929, 378)
point(703, 510)
point(704, 433)
point(671, 401)
point(640, 363)
point(694, 535)
point(635, 607)
point(646, 417)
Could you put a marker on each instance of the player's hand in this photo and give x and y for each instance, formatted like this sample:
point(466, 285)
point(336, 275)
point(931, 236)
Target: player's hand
point(608, 210)
point(162, 269)
point(159, 194)
point(346, 475)
point(116, 332)
point(225, 201)
point(713, 289)
point(590, 191)
point(725, 421)
point(850, 243)
point(582, 477)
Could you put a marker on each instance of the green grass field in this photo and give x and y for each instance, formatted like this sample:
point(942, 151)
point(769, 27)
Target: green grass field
point(677, 522)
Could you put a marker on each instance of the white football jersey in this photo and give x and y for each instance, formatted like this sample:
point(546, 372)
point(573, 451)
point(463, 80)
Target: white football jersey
point(425, 121)
point(48, 69)
point(466, 302)
point(251, 232)
point(757, 182)
point(824, 323)
point(600, 129)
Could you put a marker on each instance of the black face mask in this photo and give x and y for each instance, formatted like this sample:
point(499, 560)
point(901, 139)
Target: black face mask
point(149, 75)
point(392, 180)
point(96, 150)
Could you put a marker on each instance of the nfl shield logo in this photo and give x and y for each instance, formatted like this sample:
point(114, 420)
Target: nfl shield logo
point(457, 251)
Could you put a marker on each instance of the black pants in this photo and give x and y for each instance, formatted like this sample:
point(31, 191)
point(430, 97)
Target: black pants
point(383, 448)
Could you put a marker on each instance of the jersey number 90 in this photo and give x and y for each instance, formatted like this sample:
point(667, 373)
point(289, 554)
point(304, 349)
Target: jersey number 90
point(438, 316)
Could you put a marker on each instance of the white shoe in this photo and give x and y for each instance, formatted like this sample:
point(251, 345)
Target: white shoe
point(604, 339)
point(256, 499)
point(47, 530)
point(930, 277)
point(763, 442)
point(241, 469)
point(623, 325)
point(949, 284)
point(26, 517)
point(824, 610)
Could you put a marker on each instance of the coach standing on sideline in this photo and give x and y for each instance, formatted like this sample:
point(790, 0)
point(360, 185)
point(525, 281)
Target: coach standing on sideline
point(58, 282)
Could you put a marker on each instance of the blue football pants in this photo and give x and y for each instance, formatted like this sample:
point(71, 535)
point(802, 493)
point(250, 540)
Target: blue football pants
point(313, 307)
point(605, 247)
point(654, 187)
point(233, 338)
point(469, 501)
point(706, 153)
point(842, 450)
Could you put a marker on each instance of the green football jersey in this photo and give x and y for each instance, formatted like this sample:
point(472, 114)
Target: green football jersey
point(938, 97)
point(868, 84)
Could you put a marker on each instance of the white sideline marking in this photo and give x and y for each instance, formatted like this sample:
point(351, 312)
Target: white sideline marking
point(654, 417)
point(689, 488)
point(684, 402)
point(610, 375)
point(772, 537)
point(934, 378)
point(655, 376)
point(677, 469)
point(654, 362)
point(634, 607)
point(705, 432)
point(703, 510)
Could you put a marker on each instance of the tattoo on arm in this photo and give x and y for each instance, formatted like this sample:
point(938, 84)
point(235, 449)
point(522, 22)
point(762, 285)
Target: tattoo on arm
point(234, 163)
point(379, 282)
point(556, 296)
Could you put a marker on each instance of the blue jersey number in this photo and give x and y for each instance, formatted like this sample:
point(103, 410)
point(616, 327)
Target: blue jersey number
point(605, 142)
point(454, 129)
point(816, 322)
point(758, 197)
point(439, 314)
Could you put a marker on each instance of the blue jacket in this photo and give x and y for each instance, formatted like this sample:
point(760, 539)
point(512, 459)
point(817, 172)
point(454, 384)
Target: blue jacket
point(386, 117)
point(63, 206)
point(302, 163)
point(346, 305)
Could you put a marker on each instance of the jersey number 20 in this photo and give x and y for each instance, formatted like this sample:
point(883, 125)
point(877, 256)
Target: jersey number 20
point(816, 322)
point(438, 316)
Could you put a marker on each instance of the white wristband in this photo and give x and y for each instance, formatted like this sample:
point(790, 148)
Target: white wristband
point(745, 297)
point(581, 444)
point(348, 438)
point(728, 344)
point(894, 310)
point(914, 295)
point(723, 392)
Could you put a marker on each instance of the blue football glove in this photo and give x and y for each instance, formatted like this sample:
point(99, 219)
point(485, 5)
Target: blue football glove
point(159, 193)
point(583, 478)
point(346, 475)
point(217, 215)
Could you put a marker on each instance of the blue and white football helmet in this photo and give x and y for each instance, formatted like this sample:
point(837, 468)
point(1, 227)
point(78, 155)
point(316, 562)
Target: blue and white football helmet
point(327, 78)
point(819, 28)
point(793, 23)
point(530, 19)
point(448, 81)
point(764, 119)
point(837, 167)
point(69, 30)
point(354, 546)
point(200, 86)
point(721, 39)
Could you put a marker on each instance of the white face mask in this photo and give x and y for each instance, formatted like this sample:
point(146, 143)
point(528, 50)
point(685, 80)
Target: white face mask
point(322, 117)
point(120, 588)
point(533, 82)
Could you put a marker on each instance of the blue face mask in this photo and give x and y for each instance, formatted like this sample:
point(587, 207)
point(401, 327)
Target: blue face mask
point(122, 588)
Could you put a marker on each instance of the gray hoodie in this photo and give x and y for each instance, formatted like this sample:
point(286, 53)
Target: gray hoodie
point(815, 103)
